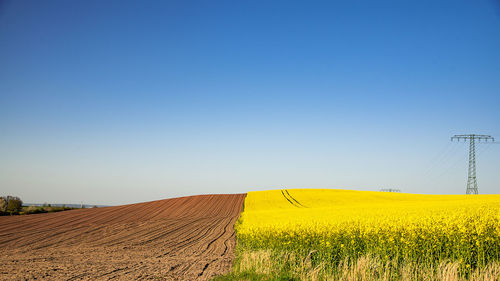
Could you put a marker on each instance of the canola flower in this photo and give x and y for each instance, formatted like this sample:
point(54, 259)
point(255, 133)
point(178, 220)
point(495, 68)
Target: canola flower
point(339, 225)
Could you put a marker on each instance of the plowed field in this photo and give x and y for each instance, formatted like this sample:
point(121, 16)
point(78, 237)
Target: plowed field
point(187, 238)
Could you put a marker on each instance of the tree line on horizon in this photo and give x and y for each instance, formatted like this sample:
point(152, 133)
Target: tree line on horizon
point(10, 205)
point(13, 205)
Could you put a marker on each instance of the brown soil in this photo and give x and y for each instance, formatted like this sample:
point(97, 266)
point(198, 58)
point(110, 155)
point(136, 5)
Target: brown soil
point(187, 238)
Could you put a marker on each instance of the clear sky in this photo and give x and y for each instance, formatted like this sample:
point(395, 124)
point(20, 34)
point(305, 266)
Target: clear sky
point(113, 102)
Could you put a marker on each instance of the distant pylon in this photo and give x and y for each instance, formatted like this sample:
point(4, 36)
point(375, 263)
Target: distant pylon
point(471, 175)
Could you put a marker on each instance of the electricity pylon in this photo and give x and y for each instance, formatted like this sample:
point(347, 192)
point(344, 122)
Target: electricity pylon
point(471, 178)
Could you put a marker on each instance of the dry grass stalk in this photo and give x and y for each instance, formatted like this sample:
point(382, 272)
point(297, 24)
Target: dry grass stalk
point(366, 268)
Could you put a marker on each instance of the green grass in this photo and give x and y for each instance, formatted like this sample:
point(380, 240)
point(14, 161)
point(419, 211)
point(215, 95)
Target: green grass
point(282, 265)
point(253, 276)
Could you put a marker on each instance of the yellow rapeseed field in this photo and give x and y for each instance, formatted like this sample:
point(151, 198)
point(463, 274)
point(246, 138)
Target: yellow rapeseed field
point(339, 225)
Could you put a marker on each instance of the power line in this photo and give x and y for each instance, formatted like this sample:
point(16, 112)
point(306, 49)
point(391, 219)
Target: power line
point(471, 174)
point(442, 164)
point(441, 159)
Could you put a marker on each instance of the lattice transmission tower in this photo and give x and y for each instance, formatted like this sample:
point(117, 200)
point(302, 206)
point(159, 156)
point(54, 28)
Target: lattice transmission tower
point(471, 175)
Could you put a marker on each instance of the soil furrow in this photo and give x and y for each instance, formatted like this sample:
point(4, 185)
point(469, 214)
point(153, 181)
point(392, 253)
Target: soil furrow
point(186, 238)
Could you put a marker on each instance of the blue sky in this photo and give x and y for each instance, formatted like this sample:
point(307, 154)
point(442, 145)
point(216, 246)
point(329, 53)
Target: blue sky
point(112, 102)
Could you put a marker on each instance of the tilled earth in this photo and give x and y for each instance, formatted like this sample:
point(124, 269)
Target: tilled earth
point(187, 238)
